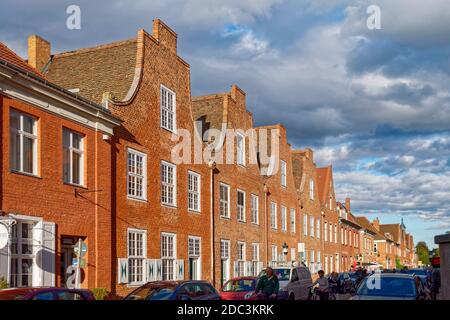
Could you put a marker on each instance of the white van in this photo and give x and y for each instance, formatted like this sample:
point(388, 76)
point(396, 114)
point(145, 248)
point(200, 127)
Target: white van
point(295, 282)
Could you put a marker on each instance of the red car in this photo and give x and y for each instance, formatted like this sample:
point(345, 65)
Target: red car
point(45, 294)
point(242, 288)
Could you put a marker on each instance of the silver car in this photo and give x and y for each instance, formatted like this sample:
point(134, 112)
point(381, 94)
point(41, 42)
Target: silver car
point(294, 282)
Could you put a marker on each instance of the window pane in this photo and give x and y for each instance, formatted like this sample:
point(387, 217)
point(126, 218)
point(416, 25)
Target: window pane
point(66, 164)
point(76, 141)
point(14, 120)
point(28, 156)
point(76, 168)
point(28, 124)
point(15, 151)
point(66, 138)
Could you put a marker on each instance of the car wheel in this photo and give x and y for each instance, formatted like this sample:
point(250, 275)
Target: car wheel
point(291, 296)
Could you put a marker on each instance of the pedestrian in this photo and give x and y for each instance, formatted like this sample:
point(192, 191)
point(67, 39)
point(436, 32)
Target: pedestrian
point(322, 289)
point(334, 283)
point(268, 286)
point(436, 283)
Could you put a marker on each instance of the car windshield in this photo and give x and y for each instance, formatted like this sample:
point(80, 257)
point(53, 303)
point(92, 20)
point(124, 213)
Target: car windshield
point(387, 287)
point(418, 272)
point(283, 274)
point(152, 293)
point(239, 285)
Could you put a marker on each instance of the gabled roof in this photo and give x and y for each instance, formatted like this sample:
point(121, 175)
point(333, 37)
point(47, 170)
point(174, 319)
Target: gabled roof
point(95, 71)
point(10, 56)
point(365, 223)
point(393, 229)
point(323, 182)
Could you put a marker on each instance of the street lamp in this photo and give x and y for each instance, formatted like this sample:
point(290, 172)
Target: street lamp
point(285, 249)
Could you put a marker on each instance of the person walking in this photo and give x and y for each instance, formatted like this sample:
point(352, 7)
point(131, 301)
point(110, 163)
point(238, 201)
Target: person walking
point(323, 286)
point(268, 286)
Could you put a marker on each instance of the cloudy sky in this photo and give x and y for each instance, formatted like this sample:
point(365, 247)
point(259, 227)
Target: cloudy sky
point(374, 103)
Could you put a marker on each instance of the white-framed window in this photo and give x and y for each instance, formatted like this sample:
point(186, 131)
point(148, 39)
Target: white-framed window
point(318, 228)
point(255, 258)
point(194, 191)
point(194, 255)
point(136, 174)
point(224, 200)
point(168, 109)
point(168, 255)
point(137, 252)
point(273, 215)
point(73, 157)
point(274, 251)
point(255, 209)
point(168, 184)
point(305, 224)
point(240, 143)
point(311, 226)
point(22, 254)
point(342, 236)
point(293, 224)
point(325, 231)
point(194, 246)
point(283, 173)
point(283, 218)
point(312, 256)
point(241, 205)
point(335, 234)
point(241, 253)
point(224, 249)
point(311, 189)
point(331, 232)
point(23, 143)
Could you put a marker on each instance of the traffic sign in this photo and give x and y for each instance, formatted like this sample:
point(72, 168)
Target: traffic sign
point(80, 248)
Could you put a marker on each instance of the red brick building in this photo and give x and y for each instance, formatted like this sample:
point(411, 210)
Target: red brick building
point(55, 169)
point(350, 257)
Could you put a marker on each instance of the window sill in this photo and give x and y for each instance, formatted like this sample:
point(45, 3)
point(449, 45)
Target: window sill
point(169, 206)
point(25, 174)
point(255, 224)
point(75, 185)
point(242, 221)
point(168, 130)
point(196, 212)
point(142, 200)
point(225, 218)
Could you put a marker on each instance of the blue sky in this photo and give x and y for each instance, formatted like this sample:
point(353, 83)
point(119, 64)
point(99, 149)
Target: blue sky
point(374, 103)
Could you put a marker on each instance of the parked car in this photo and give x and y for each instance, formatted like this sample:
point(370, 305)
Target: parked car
point(175, 290)
point(294, 282)
point(45, 294)
point(415, 271)
point(388, 287)
point(239, 289)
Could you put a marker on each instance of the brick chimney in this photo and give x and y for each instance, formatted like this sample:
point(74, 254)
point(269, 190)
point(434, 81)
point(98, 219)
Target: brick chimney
point(39, 52)
point(376, 223)
point(347, 204)
point(165, 35)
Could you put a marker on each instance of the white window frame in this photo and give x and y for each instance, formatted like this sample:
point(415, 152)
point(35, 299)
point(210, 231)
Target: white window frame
point(255, 258)
point(165, 258)
point(318, 227)
point(325, 228)
point(16, 240)
point(283, 173)
point(330, 226)
point(273, 215)
point(134, 174)
point(136, 257)
point(335, 234)
point(312, 226)
point(164, 96)
point(283, 219)
point(254, 202)
point(240, 149)
point(192, 193)
point(224, 244)
point(72, 150)
point(165, 184)
point(241, 254)
point(274, 252)
point(23, 134)
point(305, 224)
point(311, 189)
point(241, 212)
point(223, 202)
point(293, 220)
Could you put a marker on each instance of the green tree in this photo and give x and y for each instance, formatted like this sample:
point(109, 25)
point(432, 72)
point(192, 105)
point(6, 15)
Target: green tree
point(435, 252)
point(423, 253)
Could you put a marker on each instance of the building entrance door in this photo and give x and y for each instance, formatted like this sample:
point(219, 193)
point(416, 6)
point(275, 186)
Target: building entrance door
point(67, 255)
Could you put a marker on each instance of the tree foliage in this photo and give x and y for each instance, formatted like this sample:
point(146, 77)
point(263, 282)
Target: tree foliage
point(423, 253)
